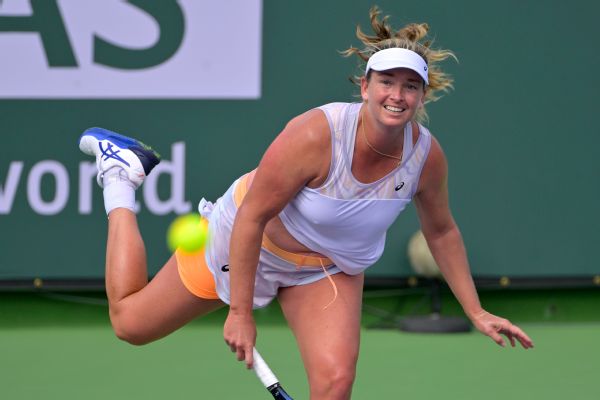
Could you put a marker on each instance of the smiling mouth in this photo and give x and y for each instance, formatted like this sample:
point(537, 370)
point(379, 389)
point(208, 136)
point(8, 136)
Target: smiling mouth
point(394, 109)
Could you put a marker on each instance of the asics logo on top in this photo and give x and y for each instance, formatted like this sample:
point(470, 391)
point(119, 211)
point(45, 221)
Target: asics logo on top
point(110, 153)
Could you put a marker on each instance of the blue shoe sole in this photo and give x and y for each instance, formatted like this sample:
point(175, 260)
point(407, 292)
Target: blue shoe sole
point(123, 142)
point(148, 157)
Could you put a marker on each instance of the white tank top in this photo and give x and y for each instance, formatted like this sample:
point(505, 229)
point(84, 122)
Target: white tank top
point(344, 219)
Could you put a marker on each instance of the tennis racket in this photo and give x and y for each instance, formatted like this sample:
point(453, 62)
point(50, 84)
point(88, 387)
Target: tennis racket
point(267, 378)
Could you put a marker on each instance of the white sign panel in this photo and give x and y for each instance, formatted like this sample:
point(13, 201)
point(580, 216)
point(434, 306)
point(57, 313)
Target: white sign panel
point(117, 49)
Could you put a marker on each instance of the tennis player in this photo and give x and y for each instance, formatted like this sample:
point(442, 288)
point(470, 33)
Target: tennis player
point(306, 223)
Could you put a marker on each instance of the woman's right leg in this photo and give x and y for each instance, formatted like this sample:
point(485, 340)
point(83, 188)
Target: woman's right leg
point(142, 311)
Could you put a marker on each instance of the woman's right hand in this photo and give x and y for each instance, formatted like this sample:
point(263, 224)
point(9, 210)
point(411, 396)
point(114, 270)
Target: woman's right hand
point(240, 335)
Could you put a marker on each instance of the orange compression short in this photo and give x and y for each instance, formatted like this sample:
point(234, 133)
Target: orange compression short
point(195, 275)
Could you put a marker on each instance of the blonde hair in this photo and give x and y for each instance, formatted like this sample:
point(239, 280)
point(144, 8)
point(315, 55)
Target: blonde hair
point(409, 37)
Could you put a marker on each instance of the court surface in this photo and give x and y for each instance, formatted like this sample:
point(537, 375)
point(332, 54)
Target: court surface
point(51, 350)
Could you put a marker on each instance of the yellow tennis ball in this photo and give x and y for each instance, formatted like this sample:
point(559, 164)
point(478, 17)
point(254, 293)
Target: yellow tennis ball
point(188, 232)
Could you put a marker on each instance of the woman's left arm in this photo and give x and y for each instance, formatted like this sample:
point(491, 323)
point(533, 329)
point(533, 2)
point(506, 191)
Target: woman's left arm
point(446, 245)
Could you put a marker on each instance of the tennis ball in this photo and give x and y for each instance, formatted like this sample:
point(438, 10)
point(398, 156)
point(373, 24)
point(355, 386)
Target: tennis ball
point(420, 257)
point(187, 232)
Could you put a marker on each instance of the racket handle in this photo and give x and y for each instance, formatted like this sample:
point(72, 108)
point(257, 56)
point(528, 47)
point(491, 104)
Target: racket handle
point(268, 378)
point(264, 373)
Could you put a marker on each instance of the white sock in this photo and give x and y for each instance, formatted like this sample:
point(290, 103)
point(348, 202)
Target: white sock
point(119, 192)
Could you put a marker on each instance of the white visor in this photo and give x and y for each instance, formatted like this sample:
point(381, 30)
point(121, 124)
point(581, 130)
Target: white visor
point(398, 58)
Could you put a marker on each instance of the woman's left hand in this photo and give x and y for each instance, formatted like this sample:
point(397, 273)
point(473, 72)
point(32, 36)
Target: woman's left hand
point(494, 327)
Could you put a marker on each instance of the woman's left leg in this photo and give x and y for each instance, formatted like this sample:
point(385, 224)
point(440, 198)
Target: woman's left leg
point(328, 338)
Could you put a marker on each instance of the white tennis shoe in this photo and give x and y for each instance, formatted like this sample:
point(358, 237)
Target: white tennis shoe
point(113, 150)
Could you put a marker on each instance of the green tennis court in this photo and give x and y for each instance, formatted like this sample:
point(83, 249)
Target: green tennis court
point(62, 347)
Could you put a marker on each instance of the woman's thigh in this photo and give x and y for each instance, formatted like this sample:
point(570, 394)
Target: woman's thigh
point(161, 307)
point(328, 338)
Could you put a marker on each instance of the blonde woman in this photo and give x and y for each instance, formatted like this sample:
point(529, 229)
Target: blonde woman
point(306, 223)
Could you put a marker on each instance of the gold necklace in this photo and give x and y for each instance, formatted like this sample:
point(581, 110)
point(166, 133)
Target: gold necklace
point(373, 148)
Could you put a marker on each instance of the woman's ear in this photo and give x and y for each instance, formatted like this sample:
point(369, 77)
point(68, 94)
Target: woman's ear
point(364, 84)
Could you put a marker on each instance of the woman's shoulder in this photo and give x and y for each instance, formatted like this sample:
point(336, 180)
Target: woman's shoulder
point(310, 118)
point(336, 111)
point(336, 105)
point(299, 149)
point(436, 153)
point(312, 125)
point(317, 124)
point(435, 169)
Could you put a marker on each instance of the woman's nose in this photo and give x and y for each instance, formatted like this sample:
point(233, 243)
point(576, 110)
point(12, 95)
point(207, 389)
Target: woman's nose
point(397, 93)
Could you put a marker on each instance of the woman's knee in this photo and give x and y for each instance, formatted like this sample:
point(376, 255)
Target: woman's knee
point(129, 328)
point(136, 322)
point(333, 382)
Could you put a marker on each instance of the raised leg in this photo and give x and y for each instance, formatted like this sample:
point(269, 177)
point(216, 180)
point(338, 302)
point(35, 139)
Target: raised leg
point(140, 311)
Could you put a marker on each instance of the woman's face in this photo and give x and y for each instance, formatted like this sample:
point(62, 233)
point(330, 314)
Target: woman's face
point(393, 96)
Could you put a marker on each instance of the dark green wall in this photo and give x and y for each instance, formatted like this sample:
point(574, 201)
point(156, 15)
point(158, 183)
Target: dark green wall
point(518, 131)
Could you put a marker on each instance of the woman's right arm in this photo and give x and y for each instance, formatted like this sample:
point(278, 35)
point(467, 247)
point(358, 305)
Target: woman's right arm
point(299, 155)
